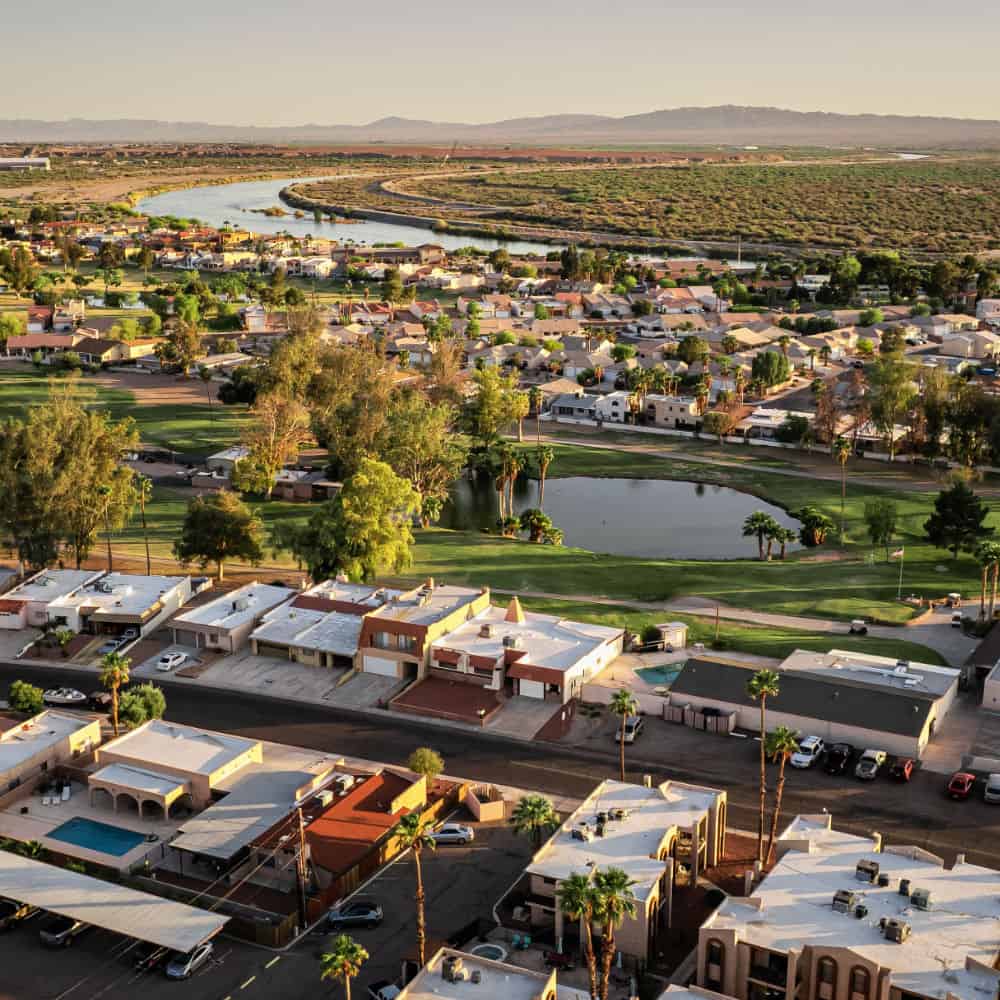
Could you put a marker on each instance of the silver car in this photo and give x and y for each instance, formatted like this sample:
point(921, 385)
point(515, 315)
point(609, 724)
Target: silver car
point(183, 965)
point(991, 792)
point(453, 833)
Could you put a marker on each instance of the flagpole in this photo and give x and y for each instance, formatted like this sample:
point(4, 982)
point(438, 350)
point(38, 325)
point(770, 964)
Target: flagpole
point(902, 558)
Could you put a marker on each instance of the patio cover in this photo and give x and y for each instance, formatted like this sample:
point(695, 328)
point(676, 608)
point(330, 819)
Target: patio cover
point(113, 907)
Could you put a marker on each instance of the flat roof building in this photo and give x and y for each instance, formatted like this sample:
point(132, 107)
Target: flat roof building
point(227, 622)
point(645, 831)
point(841, 917)
point(865, 700)
point(30, 748)
point(27, 605)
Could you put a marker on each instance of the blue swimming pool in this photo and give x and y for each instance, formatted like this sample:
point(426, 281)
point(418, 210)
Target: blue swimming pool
point(661, 676)
point(97, 836)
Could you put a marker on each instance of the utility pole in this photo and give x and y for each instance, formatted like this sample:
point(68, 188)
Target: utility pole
point(300, 872)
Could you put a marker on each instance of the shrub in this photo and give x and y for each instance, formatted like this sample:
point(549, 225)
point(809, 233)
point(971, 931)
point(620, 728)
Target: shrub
point(25, 697)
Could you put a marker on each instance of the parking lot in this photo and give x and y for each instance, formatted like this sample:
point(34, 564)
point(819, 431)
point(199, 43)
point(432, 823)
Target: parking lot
point(461, 883)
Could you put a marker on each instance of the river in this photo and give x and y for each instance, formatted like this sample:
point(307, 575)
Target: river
point(215, 205)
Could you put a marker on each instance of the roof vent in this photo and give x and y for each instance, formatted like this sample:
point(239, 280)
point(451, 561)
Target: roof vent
point(860, 912)
point(883, 880)
point(513, 642)
point(618, 813)
point(866, 871)
point(844, 900)
point(921, 899)
point(904, 887)
point(486, 631)
point(453, 969)
point(897, 930)
point(583, 832)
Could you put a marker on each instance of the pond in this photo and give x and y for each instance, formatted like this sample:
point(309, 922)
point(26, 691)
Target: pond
point(628, 517)
point(217, 204)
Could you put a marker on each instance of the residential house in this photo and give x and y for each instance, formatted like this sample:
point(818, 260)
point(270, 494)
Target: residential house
point(615, 407)
point(988, 310)
point(47, 344)
point(574, 406)
point(226, 622)
point(39, 319)
point(68, 317)
point(845, 917)
point(673, 412)
point(976, 344)
point(30, 749)
point(27, 605)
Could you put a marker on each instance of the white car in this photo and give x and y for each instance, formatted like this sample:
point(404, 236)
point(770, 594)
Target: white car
point(453, 833)
point(810, 750)
point(63, 697)
point(170, 660)
point(991, 791)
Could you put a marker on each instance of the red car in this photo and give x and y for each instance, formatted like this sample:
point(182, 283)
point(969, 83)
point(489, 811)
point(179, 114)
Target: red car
point(960, 786)
point(902, 770)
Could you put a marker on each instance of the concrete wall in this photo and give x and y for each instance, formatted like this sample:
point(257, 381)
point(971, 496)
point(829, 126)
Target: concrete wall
point(649, 704)
point(486, 803)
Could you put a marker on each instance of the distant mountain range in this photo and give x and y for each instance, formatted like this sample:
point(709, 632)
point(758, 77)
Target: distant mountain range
point(726, 125)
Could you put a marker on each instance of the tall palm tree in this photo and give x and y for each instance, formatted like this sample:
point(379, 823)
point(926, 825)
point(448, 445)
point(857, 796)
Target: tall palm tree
point(842, 452)
point(343, 961)
point(412, 834)
point(781, 744)
point(544, 458)
point(205, 374)
point(535, 399)
point(114, 675)
point(106, 493)
point(576, 899)
point(615, 901)
point(762, 685)
point(988, 556)
point(759, 524)
point(534, 817)
point(623, 703)
point(144, 493)
point(783, 536)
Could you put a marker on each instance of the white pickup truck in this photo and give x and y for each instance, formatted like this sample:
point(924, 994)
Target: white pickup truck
point(383, 990)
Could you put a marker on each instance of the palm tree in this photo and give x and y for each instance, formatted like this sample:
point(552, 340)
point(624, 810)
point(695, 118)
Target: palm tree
point(205, 374)
point(535, 399)
point(781, 744)
point(783, 536)
point(114, 675)
point(740, 383)
point(615, 901)
point(842, 452)
point(623, 703)
point(762, 685)
point(534, 817)
point(988, 556)
point(343, 961)
point(761, 524)
point(105, 493)
point(576, 899)
point(144, 493)
point(544, 458)
point(411, 834)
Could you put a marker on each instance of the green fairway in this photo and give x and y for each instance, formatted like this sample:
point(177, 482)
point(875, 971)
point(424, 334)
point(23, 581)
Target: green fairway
point(756, 639)
point(23, 387)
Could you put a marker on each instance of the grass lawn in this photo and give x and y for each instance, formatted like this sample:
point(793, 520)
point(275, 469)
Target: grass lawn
point(22, 387)
point(755, 639)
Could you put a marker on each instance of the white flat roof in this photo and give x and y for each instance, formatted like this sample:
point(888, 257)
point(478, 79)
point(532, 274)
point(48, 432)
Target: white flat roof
point(103, 904)
point(119, 594)
point(352, 593)
point(197, 751)
point(284, 624)
point(497, 980)
point(51, 584)
point(335, 632)
point(630, 843)
point(423, 607)
point(26, 739)
point(137, 778)
point(258, 797)
point(547, 641)
point(227, 610)
point(882, 671)
point(796, 910)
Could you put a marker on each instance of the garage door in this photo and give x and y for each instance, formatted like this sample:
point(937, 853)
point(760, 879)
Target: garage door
point(532, 689)
point(380, 665)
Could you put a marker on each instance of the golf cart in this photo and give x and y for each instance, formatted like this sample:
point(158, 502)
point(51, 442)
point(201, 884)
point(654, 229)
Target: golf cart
point(858, 627)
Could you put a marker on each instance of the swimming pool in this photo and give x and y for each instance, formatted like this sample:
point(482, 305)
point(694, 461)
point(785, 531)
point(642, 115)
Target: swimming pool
point(661, 676)
point(494, 952)
point(97, 836)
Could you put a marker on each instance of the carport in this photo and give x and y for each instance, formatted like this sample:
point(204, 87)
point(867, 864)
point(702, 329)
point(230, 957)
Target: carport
point(112, 907)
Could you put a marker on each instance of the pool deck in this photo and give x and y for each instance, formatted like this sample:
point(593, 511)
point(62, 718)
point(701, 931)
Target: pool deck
point(40, 820)
point(621, 673)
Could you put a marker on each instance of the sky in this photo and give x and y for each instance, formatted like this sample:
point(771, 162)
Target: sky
point(333, 62)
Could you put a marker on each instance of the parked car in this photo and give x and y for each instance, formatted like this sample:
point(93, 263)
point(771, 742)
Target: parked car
point(859, 627)
point(810, 750)
point(453, 833)
point(129, 634)
point(868, 766)
point(182, 965)
point(170, 660)
point(63, 697)
point(358, 912)
point(838, 758)
point(12, 913)
point(382, 989)
point(960, 785)
point(149, 956)
point(902, 770)
point(956, 619)
point(99, 700)
point(61, 932)
point(991, 790)
point(110, 646)
point(633, 728)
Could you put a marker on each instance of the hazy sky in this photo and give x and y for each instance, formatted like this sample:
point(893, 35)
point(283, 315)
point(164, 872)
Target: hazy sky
point(327, 61)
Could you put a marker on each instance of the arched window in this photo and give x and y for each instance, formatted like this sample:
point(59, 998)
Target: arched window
point(826, 979)
point(860, 983)
point(715, 964)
